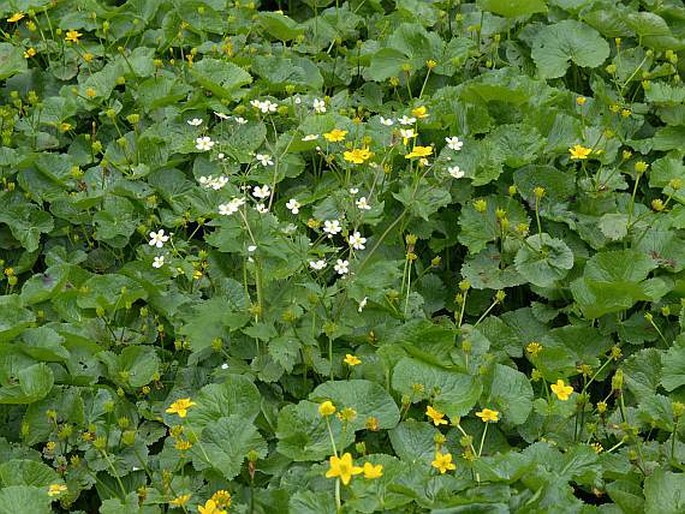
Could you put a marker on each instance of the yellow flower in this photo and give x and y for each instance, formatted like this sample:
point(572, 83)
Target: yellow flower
point(347, 414)
point(420, 112)
point(56, 489)
point(581, 100)
point(180, 407)
point(352, 360)
point(343, 468)
point(357, 155)
point(64, 126)
point(326, 408)
point(579, 152)
point(443, 462)
point(534, 348)
point(73, 35)
point(182, 445)
point(17, 16)
point(420, 151)
point(335, 136)
point(436, 416)
point(222, 498)
point(562, 391)
point(210, 507)
point(488, 415)
point(30, 53)
point(88, 57)
point(371, 471)
point(181, 500)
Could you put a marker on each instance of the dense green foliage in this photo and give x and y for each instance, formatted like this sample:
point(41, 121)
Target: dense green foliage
point(360, 256)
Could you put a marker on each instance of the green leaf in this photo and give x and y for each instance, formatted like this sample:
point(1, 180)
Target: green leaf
point(627, 495)
point(133, 368)
point(414, 441)
point(210, 320)
point(236, 395)
point(479, 228)
point(16, 498)
point(511, 394)
point(569, 40)
point(27, 472)
point(543, 260)
point(513, 8)
point(453, 392)
point(278, 25)
point(663, 492)
point(11, 60)
point(29, 384)
point(673, 368)
point(367, 398)
point(14, 318)
point(225, 443)
point(614, 225)
point(220, 77)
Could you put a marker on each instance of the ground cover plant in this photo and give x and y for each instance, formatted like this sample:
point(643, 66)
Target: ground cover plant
point(361, 256)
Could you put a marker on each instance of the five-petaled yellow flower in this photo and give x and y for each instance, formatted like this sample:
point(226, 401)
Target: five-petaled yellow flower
point(210, 507)
point(443, 462)
point(335, 136)
point(488, 415)
point(419, 151)
point(357, 155)
point(180, 407)
point(343, 468)
point(579, 152)
point(420, 112)
point(326, 408)
point(56, 489)
point(31, 52)
point(181, 500)
point(222, 498)
point(352, 360)
point(371, 471)
point(17, 16)
point(437, 417)
point(562, 391)
point(73, 36)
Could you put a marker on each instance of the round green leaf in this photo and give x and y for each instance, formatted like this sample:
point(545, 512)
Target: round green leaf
point(543, 260)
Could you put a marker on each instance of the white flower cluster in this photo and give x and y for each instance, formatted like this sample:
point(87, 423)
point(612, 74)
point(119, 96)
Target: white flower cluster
point(212, 182)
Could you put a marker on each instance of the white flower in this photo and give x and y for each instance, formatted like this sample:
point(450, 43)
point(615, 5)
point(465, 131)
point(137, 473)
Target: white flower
point(224, 365)
point(423, 161)
point(354, 190)
point(310, 137)
point(221, 156)
point(265, 159)
point(251, 248)
point(357, 241)
point(290, 228)
point(331, 227)
point(298, 100)
point(221, 115)
point(362, 204)
point(240, 120)
point(362, 304)
point(387, 122)
point(261, 208)
point(266, 106)
point(226, 209)
point(407, 133)
point(293, 205)
point(455, 172)
point(454, 143)
point(261, 192)
point(342, 267)
point(204, 143)
point(317, 265)
point(213, 183)
point(195, 122)
point(158, 261)
point(407, 121)
point(319, 106)
point(158, 238)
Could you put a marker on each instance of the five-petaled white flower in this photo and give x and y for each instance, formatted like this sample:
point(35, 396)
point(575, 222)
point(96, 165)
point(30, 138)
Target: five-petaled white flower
point(387, 122)
point(342, 267)
point(293, 205)
point(212, 182)
point(261, 208)
point(357, 241)
point(261, 192)
point(204, 143)
point(158, 238)
point(455, 171)
point(407, 134)
point(331, 227)
point(363, 204)
point(354, 190)
point(195, 122)
point(319, 106)
point(404, 120)
point(226, 209)
point(266, 106)
point(265, 159)
point(158, 261)
point(454, 143)
point(240, 120)
point(221, 115)
point(310, 137)
point(317, 265)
